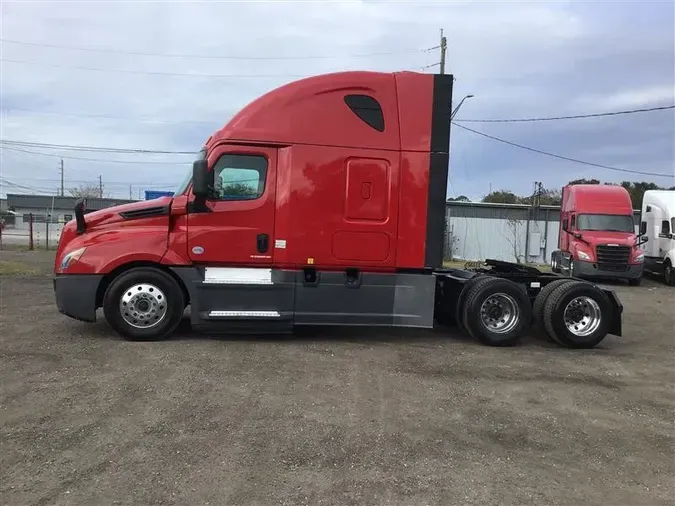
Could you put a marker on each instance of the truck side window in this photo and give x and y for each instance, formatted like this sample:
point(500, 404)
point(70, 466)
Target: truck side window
point(367, 109)
point(665, 227)
point(573, 222)
point(240, 177)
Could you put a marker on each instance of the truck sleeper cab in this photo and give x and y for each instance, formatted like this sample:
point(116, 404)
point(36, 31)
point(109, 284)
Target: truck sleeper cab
point(657, 224)
point(320, 203)
point(597, 236)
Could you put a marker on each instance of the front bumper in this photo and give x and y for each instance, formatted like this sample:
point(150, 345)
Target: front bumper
point(76, 295)
point(590, 270)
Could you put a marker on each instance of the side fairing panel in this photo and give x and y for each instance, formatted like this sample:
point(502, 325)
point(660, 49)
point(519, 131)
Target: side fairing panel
point(415, 102)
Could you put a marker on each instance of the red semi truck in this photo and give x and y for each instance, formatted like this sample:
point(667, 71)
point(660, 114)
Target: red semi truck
point(320, 203)
point(597, 236)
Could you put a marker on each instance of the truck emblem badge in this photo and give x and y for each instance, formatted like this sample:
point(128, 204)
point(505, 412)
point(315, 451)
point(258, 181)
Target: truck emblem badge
point(198, 250)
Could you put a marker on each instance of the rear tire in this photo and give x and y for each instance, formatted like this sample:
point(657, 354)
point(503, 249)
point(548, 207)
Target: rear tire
point(496, 311)
point(669, 273)
point(540, 301)
point(577, 315)
point(635, 282)
point(144, 304)
point(459, 308)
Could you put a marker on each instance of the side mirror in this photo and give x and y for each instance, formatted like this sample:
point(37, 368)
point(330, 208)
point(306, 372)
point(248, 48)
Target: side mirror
point(643, 228)
point(202, 179)
point(565, 225)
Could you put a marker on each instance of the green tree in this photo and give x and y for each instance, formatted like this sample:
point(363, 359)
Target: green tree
point(637, 190)
point(584, 181)
point(502, 197)
point(461, 198)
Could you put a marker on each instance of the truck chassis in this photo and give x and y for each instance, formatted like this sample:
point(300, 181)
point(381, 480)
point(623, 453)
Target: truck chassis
point(494, 302)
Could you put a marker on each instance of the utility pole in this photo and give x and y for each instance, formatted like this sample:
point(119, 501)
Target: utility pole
point(100, 187)
point(444, 46)
point(62, 191)
point(130, 197)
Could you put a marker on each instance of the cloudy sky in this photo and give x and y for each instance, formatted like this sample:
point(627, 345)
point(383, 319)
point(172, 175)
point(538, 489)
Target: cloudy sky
point(113, 74)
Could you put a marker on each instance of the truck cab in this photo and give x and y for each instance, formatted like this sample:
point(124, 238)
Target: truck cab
point(657, 224)
point(597, 236)
point(321, 202)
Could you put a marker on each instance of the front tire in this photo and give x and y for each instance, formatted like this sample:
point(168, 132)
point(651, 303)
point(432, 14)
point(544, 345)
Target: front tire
point(635, 282)
point(144, 304)
point(669, 273)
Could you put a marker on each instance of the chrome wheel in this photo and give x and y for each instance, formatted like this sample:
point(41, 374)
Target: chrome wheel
point(499, 313)
point(143, 306)
point(582, 316)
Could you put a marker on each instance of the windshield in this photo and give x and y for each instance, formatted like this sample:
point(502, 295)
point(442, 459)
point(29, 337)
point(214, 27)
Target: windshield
point(606, 223)
point(188, 177)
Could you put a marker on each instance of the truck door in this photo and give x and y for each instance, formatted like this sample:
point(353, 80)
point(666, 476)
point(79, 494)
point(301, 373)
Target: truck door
point(238, 225)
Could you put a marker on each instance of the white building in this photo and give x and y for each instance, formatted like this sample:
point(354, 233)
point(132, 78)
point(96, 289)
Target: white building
point(509, 232)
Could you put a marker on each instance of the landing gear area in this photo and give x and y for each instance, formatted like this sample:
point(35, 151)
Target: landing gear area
point(498, 304)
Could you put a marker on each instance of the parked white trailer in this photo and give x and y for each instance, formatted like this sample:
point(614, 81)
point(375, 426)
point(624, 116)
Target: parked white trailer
point(658, 225)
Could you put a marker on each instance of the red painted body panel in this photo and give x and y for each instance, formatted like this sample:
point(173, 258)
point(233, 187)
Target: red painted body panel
point(338, 192)
point(414, 110)
point(312, 111)
point(228, 233)
point(412, 216)
point(312, 211)
point(594, 199)
point(111, 245)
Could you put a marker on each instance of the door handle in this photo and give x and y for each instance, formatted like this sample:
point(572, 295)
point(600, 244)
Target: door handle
point(263, 243)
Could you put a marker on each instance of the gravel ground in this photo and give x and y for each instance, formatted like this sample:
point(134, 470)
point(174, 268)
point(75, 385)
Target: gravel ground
point(331, 417)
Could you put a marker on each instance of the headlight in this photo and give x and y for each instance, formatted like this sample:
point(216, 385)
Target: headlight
point(71, 257)
point(583, 256)
point(640, 258)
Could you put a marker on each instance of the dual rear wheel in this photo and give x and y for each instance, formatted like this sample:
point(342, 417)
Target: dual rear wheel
point(497, 312)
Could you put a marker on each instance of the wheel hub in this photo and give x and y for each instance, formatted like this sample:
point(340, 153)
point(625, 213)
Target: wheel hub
point(582, 316)
point(499, 313)
point(143, 305)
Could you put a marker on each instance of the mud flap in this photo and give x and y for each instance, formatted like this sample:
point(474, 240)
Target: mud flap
point(615, 327)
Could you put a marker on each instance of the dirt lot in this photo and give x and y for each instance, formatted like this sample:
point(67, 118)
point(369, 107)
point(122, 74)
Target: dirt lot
point(331, 417)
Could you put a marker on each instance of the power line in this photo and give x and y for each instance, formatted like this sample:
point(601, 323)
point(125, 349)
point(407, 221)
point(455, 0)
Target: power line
point(145, 72)
point(575, 160)
point(102, 160)
point(577, 116)
point(104, 116)
point(95, 149)
point(216, 57)
point(92, 181)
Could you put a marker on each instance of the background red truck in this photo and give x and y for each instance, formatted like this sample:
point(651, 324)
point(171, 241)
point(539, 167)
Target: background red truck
point(322, 202)
point(597, 236)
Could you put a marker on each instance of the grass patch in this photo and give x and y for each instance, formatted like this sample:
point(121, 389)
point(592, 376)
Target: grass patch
point(12, 268)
